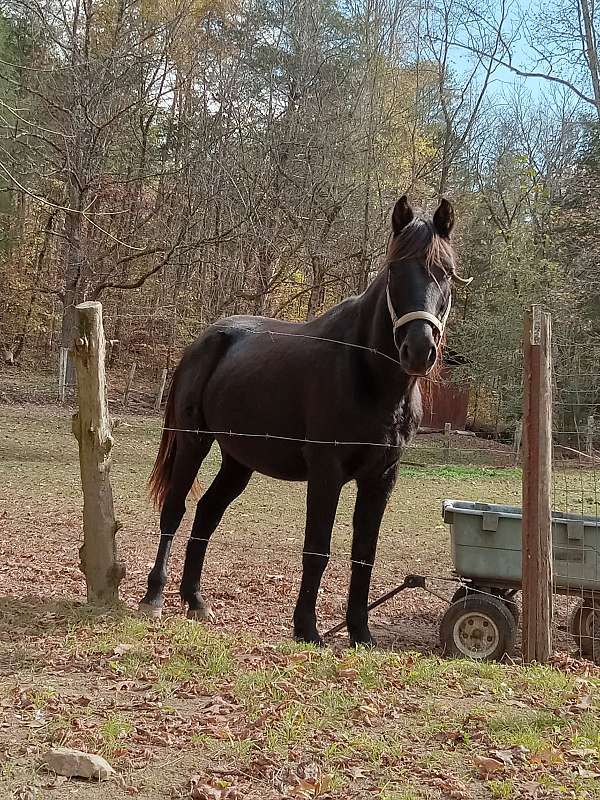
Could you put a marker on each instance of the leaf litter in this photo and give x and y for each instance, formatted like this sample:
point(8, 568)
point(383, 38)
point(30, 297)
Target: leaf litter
point(274, 722)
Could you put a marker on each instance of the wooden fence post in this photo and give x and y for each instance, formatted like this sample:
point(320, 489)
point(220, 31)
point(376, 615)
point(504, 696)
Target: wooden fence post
point(517, 440)
point(91, 427)
point(589, 436)
point(63, 360)
point(161, 390)
point(447, 432)
point(129, 384)
point(537, 487)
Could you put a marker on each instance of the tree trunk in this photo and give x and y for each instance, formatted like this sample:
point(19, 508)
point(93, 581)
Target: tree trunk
point(591, 51)
point(73, 270)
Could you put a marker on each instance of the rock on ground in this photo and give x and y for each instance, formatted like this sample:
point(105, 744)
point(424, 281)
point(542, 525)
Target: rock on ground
point(77, 764)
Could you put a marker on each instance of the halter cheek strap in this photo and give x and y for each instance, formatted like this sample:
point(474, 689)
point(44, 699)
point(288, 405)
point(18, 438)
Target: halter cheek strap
point(397, 322)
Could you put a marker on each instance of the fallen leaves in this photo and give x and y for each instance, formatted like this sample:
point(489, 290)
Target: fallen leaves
point(302, 780)
point(513, 756)
point(25, 793)
point(121, 649)
point(201, 789)
point(488, 766)
point(549, 756)
point(345, 738)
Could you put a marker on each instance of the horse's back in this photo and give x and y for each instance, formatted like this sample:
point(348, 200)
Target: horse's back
point(267, 388)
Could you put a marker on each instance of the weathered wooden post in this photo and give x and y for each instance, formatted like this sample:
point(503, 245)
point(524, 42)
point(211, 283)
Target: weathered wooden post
point(161, 389)
point(589, 436)
point(91, 427)
point(129, 386)
point(63, 360)
point(537, 487)
point(517, 439)
point(447, 432)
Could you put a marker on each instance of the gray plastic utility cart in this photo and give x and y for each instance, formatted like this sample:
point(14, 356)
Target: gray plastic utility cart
point(482, 619)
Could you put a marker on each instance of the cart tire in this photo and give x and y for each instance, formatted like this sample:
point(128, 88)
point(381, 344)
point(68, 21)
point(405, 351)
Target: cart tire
point(471, 591)
point(584, 627)
point(479, 627)
point(513, 608)
point(460, 594)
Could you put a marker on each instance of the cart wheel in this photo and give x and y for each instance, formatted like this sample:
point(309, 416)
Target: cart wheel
point(472, 591)
point(584, 627)
point(514, 609)
point(479, 627)
point(460, 594)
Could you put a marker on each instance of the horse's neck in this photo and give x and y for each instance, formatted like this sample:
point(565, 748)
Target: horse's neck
point(365, 321)
point(373, 322)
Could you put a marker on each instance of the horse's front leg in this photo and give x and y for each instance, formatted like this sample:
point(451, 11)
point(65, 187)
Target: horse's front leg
point(371, 501)
point(323, 494)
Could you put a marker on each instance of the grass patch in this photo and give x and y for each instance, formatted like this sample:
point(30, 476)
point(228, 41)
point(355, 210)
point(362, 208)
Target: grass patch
point(112, 733)
point(293, 726)
point(227, 750)
point(377, 750)
point(546, 680)
point(191, 642)
point(534, 730)
point(254, 688)
point(502, 789)
point(40, 698)
point(458, 471)
point(588, 732)
point(335, 705)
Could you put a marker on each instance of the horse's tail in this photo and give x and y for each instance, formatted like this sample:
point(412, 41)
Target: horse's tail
point(160, 477)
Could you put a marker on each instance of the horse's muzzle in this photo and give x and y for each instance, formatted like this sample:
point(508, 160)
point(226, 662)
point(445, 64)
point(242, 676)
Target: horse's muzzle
point(418, 351)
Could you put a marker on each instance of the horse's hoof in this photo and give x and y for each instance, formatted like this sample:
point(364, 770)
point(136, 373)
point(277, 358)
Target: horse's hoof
point(202, 614)
point(360, 636)
point(146, 611)
point(364, 641)
point(310, 639)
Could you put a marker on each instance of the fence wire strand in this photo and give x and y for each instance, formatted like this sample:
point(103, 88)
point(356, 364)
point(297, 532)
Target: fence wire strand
point(574, 489)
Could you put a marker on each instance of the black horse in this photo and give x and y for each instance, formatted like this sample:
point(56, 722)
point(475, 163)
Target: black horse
point(333, 413)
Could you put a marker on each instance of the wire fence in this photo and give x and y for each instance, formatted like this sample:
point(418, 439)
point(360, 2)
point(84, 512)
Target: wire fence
point(576, 498)
point(137, 392)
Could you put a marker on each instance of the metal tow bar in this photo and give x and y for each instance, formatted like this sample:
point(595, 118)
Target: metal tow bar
point(410, 582)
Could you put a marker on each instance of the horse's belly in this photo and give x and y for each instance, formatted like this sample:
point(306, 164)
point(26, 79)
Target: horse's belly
point(277, 459)
point(258, 420)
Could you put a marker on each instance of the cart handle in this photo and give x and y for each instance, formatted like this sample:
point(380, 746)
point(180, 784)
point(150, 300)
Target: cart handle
point(410, 582)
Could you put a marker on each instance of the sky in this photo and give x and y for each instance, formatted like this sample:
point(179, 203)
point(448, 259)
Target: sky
point(524, 57)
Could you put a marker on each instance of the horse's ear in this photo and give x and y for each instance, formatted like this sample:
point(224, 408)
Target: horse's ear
point(443, 219)
point(402, 214)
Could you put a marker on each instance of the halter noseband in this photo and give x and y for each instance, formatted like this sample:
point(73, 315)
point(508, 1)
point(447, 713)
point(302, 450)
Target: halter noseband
point(397, 322)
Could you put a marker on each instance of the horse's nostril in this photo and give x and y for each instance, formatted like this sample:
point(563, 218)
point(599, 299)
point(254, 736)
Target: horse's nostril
point(431, 357)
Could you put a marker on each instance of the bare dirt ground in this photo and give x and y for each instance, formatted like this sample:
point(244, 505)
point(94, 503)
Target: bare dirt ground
point(233, 709)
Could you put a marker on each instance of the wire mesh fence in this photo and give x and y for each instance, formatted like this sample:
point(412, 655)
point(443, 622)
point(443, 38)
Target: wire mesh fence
point(576, 498)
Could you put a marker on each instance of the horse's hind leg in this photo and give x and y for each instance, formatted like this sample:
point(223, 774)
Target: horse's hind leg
point(188, 458)
point(230, 482)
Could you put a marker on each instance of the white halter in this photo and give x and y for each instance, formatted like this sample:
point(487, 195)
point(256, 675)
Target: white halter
point(397, 322)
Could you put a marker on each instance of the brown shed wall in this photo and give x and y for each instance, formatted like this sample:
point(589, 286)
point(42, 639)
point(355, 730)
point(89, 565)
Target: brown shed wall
point(444, 402)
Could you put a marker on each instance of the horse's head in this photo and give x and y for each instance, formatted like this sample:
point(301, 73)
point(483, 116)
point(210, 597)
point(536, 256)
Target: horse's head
point(420, 269)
